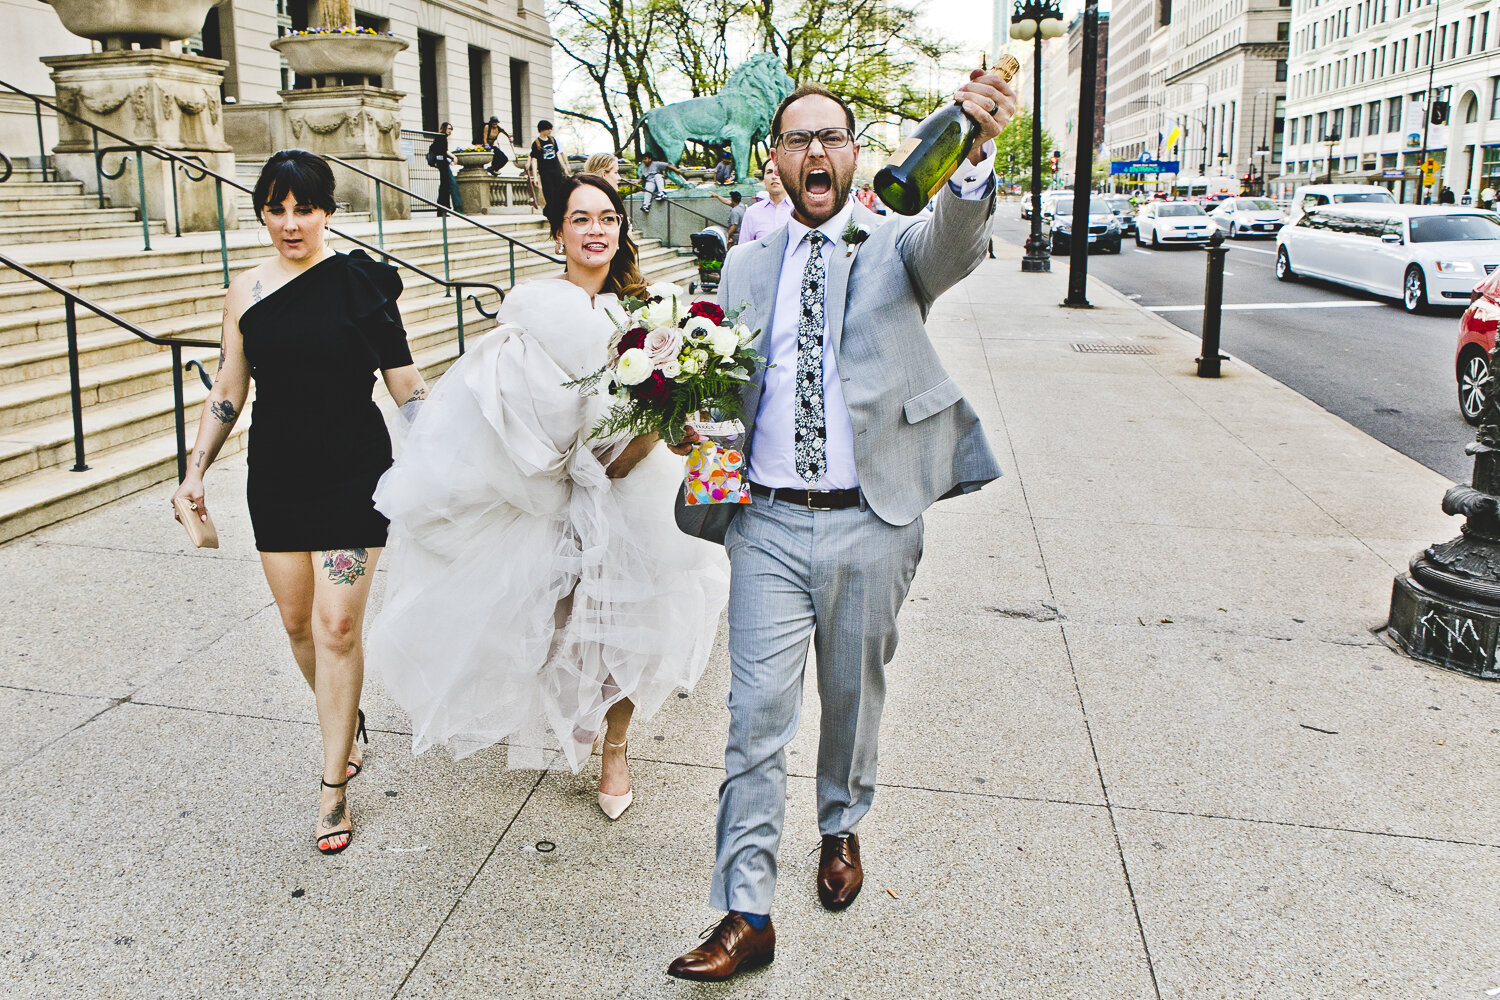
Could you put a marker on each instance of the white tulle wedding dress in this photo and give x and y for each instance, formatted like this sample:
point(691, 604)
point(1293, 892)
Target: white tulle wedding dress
point(527, 592)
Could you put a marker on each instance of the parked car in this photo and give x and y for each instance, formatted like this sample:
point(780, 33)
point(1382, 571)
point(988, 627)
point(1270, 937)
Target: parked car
point(1104, 228)
point(1421, 254)
point(1311, 196)
point(1163, 222)
point(1248, 217)
point(1120, 206)
point(1476, 339)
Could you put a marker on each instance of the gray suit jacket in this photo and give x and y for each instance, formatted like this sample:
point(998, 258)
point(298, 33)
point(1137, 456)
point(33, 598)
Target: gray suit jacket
point(916, 439)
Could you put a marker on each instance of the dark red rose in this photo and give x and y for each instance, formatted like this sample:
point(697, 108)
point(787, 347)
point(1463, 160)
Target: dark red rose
point(709, 311)
point(655, 391)
point(631, 338)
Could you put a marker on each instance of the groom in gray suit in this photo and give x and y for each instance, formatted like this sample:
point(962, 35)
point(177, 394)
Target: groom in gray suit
point(853, 432)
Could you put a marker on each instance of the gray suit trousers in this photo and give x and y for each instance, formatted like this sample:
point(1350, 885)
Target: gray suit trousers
point(837, 578)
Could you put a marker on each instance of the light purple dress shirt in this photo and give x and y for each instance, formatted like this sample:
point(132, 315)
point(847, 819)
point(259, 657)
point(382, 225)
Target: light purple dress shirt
point(772, 459)
point(765, 216)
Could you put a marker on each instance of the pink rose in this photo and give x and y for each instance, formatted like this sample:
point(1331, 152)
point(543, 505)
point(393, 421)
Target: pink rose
point(662, 345)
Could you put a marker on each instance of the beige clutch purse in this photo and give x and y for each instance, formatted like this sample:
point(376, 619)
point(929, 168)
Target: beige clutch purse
point(201, 533)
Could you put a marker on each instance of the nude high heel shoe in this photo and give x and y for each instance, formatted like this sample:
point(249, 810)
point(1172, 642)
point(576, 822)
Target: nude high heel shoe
point(614, 806)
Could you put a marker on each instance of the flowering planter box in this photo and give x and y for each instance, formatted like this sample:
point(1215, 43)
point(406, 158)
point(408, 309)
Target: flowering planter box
point(335, 53)
point(469, 158)
point(103, 20)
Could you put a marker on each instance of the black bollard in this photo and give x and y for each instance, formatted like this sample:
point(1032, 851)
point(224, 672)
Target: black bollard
point(1213, 301)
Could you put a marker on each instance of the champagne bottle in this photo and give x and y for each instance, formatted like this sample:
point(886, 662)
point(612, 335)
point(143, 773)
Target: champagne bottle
point(922, 164)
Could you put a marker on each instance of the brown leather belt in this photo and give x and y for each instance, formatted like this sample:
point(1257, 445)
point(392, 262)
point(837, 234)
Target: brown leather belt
point(811, 499)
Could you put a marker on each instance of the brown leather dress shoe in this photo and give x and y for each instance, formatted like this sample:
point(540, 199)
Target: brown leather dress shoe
point(840, 874)
point(733, 946)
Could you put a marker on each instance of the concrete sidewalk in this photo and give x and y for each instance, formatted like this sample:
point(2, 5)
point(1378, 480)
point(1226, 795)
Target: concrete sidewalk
point(1140, 742)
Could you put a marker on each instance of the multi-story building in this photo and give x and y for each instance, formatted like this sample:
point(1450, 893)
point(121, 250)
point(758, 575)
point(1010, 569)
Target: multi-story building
point(1139, 38)
point(468, 59)
point(1225, 84)
point(1377, 87)
point(1063, 80)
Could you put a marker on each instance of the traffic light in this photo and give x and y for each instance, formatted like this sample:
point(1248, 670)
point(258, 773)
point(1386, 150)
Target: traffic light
point(1052, 161)
point(1439, 112)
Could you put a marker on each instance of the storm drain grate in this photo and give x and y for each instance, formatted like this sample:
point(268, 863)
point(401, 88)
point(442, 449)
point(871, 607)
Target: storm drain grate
point(1103, 347)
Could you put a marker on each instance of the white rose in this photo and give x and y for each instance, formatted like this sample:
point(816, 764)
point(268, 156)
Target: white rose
point(665, 289)
point(633, 367)
point(723, 341)
point(699, 327)
point(659, 314)
point(671, 369)
point(743, 333)
point(662, 345)
point(690, 365)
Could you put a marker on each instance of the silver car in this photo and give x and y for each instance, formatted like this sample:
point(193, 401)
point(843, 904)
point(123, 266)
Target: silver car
point(1249, 217)
point(1424, 255)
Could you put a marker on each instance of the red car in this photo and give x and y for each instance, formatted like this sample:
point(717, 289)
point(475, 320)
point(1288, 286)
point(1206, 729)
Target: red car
point(1476, 339)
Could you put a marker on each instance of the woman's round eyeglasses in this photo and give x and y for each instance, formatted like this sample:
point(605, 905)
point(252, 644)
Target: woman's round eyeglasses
point(583, 223)
point(798, 139)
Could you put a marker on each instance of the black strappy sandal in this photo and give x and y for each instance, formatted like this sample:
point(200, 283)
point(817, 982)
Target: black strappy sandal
point(349, 833)
point(359, 734)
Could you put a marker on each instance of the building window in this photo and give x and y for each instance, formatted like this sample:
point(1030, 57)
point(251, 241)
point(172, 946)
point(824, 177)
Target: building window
point(1354, 115)
point(1291, 133)
point(1494, 97)
point(1283, 30)
point(1393, 114)
point(1281, 71)
point(1374, 115)
point(1322, 126)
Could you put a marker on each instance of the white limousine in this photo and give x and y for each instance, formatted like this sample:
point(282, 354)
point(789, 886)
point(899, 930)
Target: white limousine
point(1421, 254)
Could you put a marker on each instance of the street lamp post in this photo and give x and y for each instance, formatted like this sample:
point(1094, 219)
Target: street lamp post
point(1036, 20)
point(1330, 140)
point(1254, 134)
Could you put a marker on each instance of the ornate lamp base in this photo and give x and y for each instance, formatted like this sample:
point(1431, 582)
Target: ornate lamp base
point(1443, 630)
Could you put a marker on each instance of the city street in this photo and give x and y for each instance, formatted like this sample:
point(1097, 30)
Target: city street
point(1387, 372)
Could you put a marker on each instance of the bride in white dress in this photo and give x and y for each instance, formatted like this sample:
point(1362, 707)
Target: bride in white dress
point(539, 591)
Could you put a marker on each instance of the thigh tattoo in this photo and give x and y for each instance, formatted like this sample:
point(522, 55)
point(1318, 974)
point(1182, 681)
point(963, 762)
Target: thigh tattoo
point(345, 565)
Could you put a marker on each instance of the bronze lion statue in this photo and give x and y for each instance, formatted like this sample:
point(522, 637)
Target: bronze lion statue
point(739, 115)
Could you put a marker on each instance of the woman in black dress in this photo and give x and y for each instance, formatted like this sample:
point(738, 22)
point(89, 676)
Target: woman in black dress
point(311, 326)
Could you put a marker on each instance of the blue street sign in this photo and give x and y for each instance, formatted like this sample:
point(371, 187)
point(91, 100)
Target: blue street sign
point(1143, 166)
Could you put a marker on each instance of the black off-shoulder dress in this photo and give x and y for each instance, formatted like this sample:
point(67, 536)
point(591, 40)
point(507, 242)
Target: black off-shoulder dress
point(318, 444)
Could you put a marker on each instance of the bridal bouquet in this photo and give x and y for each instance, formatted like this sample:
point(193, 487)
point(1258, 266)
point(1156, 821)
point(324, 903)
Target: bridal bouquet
point(671, 369)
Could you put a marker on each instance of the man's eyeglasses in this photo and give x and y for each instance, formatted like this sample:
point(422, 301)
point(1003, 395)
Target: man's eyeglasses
point(829, 138)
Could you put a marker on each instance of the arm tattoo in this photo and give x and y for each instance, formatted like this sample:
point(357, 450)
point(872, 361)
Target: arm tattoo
point(255, 293)
point(198, 463)
point(419, 393)
point(345, 565)
point(223, 411)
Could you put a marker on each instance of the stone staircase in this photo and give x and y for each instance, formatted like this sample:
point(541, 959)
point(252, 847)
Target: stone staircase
point(176, 291)
point(37, 211)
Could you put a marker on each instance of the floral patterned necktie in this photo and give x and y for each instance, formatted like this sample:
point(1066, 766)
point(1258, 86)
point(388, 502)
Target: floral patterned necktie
point(810, 429)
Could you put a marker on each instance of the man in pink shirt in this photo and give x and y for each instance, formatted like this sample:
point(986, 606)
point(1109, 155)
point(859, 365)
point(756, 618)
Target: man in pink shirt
point(767, 214)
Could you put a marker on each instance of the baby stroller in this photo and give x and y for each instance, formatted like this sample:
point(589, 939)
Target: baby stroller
point(709, 246)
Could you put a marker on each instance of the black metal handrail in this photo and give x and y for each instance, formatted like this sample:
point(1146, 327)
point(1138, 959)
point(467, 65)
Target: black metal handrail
point(635, 213)
point(71, 300)
point(5, 162)
point(443, 212)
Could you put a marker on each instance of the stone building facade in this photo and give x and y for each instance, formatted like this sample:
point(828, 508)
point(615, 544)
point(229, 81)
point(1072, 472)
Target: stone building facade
point(1365, 80)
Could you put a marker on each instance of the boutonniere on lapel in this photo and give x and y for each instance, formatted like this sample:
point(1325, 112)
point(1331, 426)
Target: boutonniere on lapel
point(854, 235)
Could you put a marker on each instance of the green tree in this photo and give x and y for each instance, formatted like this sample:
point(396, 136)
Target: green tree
point(639, 54)
point(1013, 151)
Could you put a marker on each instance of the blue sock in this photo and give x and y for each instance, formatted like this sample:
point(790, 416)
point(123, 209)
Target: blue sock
point(756, 920)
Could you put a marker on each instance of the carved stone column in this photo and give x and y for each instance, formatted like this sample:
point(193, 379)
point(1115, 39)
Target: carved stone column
point(152, 97)
point(360, 124)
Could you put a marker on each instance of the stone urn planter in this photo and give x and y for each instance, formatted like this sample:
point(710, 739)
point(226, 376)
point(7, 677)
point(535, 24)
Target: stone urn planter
point(117, 23)
point(339, 54)
point(469, 159)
